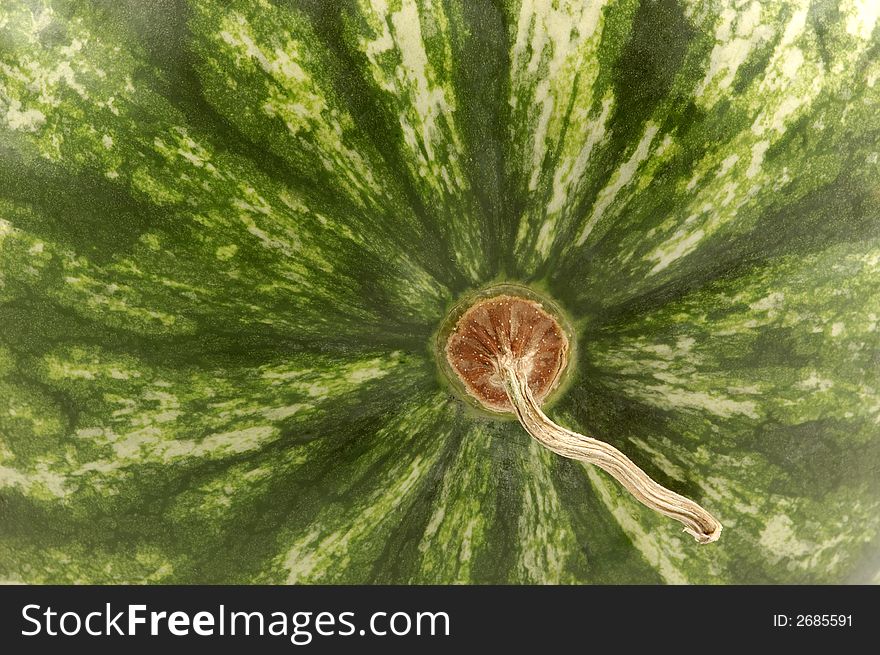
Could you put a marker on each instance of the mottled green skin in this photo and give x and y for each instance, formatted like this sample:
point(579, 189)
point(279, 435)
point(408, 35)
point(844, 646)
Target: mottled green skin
point(228, 231)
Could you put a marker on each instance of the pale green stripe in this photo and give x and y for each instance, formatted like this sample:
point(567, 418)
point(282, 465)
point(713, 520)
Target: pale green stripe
point(98, 112)
point(684, 356)
point(84, 563)
point(463, 514)
point(346, 537)
point(408, 50)
point(554, 124)
point(545, 540)
point(133, 414)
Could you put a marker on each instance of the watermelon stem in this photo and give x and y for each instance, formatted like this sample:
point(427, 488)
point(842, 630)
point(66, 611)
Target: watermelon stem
point(698, 522)
point(509, 352)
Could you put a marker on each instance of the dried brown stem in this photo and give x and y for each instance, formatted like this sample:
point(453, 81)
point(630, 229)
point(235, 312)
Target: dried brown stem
point(697, 521)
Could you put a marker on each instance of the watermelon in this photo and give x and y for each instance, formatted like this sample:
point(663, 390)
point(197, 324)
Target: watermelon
point(233, 237)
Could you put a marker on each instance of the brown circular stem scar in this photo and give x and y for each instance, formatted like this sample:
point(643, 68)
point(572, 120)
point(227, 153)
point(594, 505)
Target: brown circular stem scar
point(509, 353)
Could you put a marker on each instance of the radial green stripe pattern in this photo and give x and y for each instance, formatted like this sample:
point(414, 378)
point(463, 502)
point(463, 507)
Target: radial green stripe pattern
point(229, 232)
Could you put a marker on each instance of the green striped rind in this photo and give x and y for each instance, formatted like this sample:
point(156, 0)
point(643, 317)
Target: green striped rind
point(263, 67)
point(761, 401)
point(769, 67)
point(464, 516)
point(353, 532)
point(93, 109)
point(795, 119)
point(200, 439)
point(784, 342)
point(410, 58)
point(229, 230)
point(560, 106)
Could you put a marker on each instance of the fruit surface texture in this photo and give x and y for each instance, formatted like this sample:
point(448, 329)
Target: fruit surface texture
point(233, 234)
